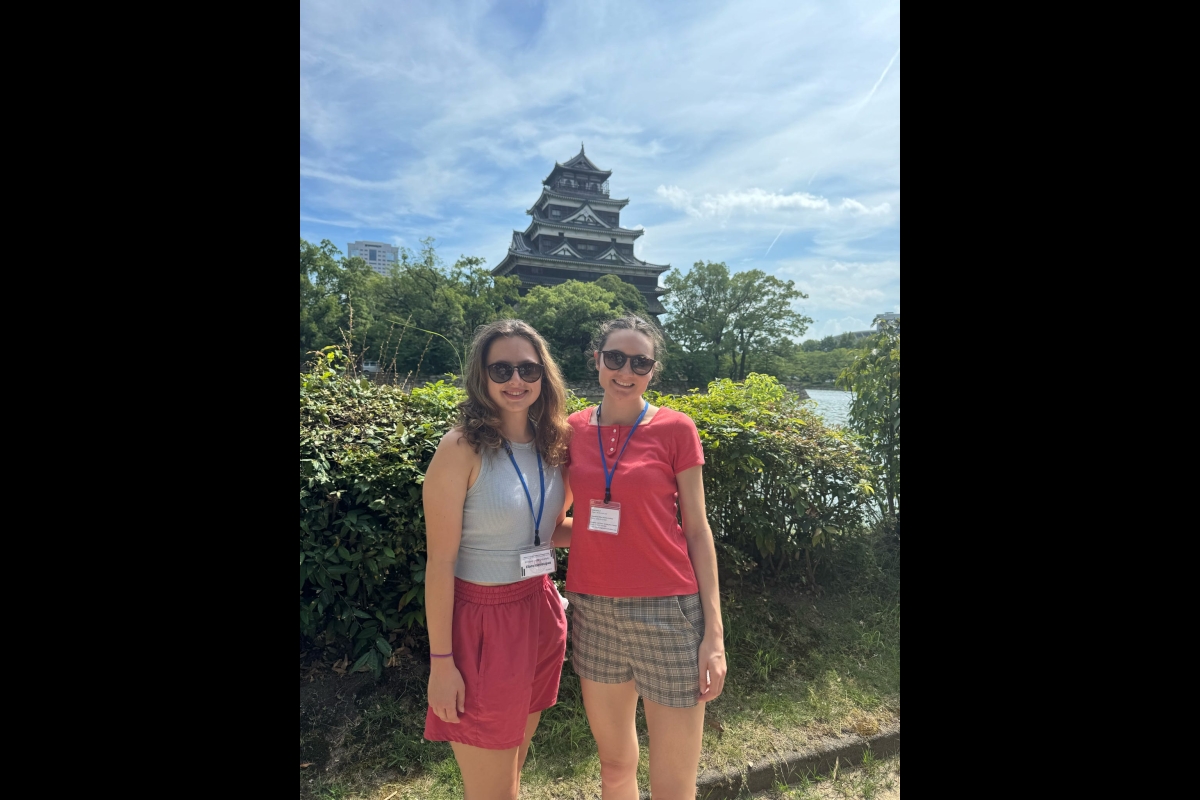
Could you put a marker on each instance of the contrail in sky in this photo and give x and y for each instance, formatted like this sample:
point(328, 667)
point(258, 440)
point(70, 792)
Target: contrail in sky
point(776, 239)
point(881, 77)
point(861, 105)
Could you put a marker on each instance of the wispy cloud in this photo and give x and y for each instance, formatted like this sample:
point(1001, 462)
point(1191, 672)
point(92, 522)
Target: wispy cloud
point(349, 180)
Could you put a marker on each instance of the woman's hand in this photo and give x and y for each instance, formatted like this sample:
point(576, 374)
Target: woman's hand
point(562, 529)
point(447, 693)
point(562, 533)
point(712, 668)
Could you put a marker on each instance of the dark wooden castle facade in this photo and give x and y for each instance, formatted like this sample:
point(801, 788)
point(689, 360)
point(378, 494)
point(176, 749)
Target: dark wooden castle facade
point(576, 234)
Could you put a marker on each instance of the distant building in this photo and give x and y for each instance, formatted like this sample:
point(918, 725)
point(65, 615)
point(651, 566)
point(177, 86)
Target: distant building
point(380, 256)
point(887, 316)
point(576, 234)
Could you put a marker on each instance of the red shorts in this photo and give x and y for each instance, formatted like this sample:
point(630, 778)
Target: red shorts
point(509, 642)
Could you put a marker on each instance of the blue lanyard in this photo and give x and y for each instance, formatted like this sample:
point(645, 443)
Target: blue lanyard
point(608, 476)
point(537, 519)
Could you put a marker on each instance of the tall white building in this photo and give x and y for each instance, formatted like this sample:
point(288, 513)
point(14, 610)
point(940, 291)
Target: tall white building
point(380, 256)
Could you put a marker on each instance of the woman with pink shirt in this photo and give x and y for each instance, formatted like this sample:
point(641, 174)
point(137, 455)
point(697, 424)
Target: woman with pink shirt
point(642, 574)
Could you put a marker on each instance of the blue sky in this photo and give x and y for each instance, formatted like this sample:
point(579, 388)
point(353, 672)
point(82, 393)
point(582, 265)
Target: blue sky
point(762, 134)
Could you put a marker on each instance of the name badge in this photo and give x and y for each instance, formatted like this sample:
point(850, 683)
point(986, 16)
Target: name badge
point(605, 517)
point(537, 562)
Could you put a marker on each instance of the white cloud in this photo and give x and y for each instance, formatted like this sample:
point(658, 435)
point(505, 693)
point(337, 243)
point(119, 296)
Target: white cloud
point(756, 201)
point(851, 296)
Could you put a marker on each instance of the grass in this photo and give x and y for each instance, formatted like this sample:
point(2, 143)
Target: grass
point(801, 669)
point(871, 780)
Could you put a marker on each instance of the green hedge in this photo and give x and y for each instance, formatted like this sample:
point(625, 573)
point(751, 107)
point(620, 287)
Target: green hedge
point(363, 455)
point(779, 485)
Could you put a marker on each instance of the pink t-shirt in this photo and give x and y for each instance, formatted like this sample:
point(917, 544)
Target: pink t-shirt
point(648, 557)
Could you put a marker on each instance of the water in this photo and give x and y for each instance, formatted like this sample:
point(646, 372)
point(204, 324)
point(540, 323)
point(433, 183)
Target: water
point(831, 404)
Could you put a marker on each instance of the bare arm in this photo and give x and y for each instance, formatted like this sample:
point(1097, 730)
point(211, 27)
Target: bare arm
point(443, 493)
point(703, 554)
point(562, 530)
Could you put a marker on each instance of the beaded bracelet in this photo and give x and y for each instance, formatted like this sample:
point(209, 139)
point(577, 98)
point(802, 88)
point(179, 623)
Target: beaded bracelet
point(447, 655)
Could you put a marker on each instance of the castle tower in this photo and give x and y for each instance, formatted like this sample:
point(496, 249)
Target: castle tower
point(576, 234)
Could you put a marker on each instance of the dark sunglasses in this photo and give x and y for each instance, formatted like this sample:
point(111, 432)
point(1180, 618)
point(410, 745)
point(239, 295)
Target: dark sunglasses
point(615, 359)
point(500, 372)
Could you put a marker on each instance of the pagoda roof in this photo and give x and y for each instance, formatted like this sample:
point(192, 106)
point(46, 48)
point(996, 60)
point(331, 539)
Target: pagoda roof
point(586, 197)
point(519, 245)
point(582, 212)
point(557, 223)
point(521, 248)
point(612, 254)
point(579, 162)
point(565, 250)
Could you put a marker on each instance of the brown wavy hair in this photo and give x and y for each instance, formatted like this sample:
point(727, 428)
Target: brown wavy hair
point(479, 418)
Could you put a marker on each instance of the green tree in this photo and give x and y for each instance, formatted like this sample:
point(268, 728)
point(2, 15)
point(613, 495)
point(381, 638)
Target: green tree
point(830, 343)
point(421, 295)
point(627, 295)
point(817, 367)
point(484, 297)
point(735, 316)
point(698, 304)
point(874, 377)
point(329, 287)
point(762, 315)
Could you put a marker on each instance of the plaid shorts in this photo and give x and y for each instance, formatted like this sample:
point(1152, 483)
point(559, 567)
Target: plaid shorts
point(655, 641)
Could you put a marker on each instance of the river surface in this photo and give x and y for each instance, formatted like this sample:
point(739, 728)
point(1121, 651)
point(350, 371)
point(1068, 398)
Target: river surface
point(831, 404)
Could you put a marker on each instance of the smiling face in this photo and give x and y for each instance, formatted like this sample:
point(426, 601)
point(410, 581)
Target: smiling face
point(514, 395)
point(624, 382)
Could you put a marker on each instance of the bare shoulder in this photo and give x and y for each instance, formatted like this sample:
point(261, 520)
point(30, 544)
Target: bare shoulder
point(454, 447)
point(453, 470)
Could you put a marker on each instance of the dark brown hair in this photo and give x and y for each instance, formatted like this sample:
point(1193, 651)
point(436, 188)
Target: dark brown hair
point(633, 322)
point(479, 418)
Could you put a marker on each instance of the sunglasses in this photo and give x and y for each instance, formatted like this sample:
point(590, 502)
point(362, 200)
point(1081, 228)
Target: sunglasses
point(615, 359)
point(500, 372)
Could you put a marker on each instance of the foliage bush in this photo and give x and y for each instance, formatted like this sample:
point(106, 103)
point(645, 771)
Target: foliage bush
point(779, 486)
point(874, 378)
point(363, 454)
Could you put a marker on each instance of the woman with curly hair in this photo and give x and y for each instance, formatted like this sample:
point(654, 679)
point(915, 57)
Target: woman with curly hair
point(495, 500)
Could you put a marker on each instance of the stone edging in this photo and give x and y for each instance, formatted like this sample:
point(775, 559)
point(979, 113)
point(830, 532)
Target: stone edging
point(790, 767)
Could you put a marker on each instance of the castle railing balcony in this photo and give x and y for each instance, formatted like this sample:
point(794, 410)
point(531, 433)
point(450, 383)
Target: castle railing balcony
point(581, 187)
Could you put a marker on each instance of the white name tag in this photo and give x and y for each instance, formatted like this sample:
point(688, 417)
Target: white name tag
point(537, 562)
point(605, 517)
